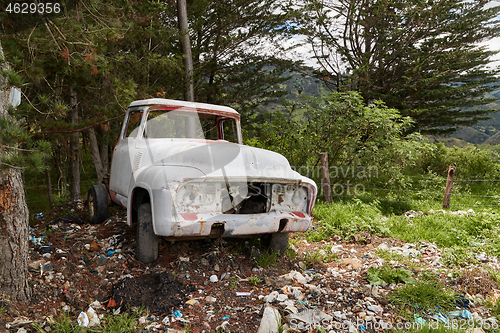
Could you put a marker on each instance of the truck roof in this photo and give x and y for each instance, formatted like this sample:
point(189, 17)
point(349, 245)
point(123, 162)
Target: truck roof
point(190, 105)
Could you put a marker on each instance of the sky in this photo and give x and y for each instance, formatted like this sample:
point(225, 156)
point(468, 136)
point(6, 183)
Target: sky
point(494, 44)
point(303, 52)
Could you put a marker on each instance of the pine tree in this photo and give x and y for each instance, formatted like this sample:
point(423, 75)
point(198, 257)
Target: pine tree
point(84, 65)
point(14, 215)
point(421, 57)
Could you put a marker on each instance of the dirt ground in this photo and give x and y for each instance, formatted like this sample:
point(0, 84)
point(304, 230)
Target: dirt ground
point(74, 264)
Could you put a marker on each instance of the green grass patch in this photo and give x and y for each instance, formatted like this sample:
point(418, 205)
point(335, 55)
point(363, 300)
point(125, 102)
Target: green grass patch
point(63, 324)
point(457, 256)
point(389, 274)
point(126, 322)
point(254, 280)
point(464, 234)
point(422, 296)
point(347, 218)
point(267, 259)
point(323, 255)
point(446, 230)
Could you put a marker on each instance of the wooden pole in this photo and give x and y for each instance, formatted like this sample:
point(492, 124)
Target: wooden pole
point(325, 176)
point(449, 185)
point(188, 62)
point(186, 49)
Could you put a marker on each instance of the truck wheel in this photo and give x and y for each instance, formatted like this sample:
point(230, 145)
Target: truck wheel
point(97, 204)
point(147, 241)
point(277, 242)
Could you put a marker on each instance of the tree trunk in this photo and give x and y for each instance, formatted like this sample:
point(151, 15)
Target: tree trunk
point(49, 187)
point(186, 49)
point(96, 157)
point(188, 62)
point(104, 149)
point(59, 156)
point(75, 150)
point(14, 221)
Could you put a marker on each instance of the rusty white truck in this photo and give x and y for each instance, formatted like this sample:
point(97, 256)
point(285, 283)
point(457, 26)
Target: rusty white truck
point(182, 172)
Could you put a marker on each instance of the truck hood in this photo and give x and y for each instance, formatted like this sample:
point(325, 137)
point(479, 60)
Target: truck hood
point(220, 159)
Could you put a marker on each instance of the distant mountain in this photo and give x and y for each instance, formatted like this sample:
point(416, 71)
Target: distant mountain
point(298, 86)
point(484, 132)
point(493, 140)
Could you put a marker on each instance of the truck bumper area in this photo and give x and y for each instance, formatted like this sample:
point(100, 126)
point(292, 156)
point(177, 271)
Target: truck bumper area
point(192, 225)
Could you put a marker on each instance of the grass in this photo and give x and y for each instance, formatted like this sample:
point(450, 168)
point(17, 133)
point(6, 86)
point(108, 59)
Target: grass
point(323, 255)
point(127, 322)
point(124, 322)
point(422, 296)
point(389, 274)
point(399, 258)
point(234, 282)
point(346, 218)
point(63, 324)
point(446, 230)
point(291, 254)
point(267, 259)
point(457, 256)
point(464, 235)
point(254, 280)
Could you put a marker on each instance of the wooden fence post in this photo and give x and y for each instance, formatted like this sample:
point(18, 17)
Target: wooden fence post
point(325, 177)
point(449, 185)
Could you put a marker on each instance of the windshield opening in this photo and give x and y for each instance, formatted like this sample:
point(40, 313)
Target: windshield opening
point(163, 124)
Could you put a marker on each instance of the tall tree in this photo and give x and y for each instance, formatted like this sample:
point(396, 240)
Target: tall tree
point(83, 65)
point(14, 216)
point(421, 57)
point(237, 48)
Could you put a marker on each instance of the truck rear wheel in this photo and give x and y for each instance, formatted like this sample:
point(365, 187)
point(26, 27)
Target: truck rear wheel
point(147, 241)
point(97, 198)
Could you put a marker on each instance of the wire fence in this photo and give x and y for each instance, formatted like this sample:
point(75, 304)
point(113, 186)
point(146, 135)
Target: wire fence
point(38, 200)
point(460, 195)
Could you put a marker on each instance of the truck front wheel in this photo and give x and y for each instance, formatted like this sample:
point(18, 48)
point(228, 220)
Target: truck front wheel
point(147, 241)
point(276, 242)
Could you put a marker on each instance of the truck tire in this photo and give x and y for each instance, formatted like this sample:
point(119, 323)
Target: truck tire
point(97, 199)
point(276, 242)
point(147, 241)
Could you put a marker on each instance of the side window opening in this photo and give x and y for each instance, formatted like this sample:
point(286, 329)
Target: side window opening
point(133, 123)
point(227, 127)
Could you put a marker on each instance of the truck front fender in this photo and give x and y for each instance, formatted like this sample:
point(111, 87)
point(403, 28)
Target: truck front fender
point(157, 184)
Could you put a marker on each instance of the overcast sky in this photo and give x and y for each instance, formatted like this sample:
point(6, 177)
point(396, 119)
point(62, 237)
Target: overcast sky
point(494, 44)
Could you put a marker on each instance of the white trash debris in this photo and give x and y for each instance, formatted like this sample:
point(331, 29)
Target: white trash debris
point(271, 320)
point(88, 319)
point(309, 317)
point(295, 276)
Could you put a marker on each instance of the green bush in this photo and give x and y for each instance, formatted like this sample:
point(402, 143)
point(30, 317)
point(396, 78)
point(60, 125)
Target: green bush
point(364, 143)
